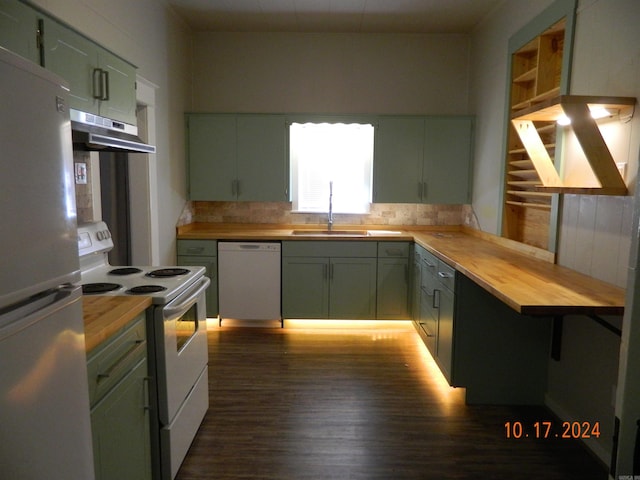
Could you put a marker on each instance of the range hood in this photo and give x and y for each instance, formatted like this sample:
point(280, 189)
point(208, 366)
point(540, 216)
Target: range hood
point(94, 133)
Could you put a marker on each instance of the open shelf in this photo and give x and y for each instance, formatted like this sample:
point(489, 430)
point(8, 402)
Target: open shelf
point(577, 108)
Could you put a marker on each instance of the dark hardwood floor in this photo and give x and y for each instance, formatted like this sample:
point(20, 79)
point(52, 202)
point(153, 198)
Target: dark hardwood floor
point(358, 403)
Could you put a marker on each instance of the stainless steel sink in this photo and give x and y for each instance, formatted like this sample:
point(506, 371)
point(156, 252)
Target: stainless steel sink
point(341, 233)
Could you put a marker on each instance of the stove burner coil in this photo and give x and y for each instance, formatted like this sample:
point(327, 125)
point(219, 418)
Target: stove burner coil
point(167, 272)
point(124, 271)
point(145, 289)
point(89, 288)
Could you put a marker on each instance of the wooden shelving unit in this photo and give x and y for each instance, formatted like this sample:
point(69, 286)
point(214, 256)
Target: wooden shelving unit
point(536, 71)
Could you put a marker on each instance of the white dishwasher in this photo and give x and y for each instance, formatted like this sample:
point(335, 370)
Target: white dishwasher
point(249, 280)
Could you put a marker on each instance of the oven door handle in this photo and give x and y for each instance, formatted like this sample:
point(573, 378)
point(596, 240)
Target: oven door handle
point(185, 301)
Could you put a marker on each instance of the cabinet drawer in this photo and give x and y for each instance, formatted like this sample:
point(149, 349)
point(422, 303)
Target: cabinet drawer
point(446, 275)
point(111, 361)
point(311, 248)
point(429, 262)
point(393, 249)
point(198, 247)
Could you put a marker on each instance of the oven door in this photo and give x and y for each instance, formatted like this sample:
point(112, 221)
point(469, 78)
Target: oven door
point(182, 352)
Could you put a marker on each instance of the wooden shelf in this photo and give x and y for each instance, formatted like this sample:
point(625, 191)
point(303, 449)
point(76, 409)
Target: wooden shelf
point(541, 206)
point(584, 190)
point(528, 76)
point(524, 183)
point(525, 174)
point(529, 193)
point(578, 109)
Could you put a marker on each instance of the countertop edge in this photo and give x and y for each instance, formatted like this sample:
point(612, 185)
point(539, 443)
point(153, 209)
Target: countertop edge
point(106, 315)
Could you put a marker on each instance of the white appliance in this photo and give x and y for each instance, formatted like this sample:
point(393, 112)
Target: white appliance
point(249, 280)
point(45, 426)
point(178, 355)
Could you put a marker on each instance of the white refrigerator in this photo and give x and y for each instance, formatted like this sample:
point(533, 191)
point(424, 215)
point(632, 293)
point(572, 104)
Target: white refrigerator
point(45, 427)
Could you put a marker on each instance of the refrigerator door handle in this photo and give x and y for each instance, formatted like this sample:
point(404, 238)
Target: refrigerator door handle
point(22, 315)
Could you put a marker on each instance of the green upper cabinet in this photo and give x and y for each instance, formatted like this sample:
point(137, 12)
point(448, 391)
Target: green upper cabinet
point(397, 164)
point(262, 160)
point(19, 29)
point(423, 159)
point(446, 175)
point(100, 82)
point(237, 157)
point(211, 143)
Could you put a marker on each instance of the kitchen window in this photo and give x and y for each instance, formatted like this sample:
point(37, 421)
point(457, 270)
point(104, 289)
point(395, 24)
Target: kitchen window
point(331, 153)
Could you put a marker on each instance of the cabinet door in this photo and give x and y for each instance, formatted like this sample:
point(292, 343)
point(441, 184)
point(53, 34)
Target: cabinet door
point(262, 160)
point(447, 160)
point(352, 288)
point(120, 430)
point(305, 287)
point(74, 58)
point(212, 157)
point(415, 285)
point(444, 340)
point(398, 159)
point(121, 88)
point(18, 29)
point(393, 288)
point(211, 266)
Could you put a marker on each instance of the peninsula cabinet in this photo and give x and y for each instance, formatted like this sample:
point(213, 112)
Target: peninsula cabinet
point(423, 159)
point(499, 355)
point(19, 29)
point(100, 82)
point(435, 317)
point(203, 253)
point(329, 279)
point(237, 157)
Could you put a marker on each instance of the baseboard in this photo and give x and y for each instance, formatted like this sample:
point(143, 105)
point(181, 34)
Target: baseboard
point(591, 443)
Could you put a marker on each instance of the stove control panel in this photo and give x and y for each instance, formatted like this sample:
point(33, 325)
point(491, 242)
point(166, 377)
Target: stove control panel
point(94, 238)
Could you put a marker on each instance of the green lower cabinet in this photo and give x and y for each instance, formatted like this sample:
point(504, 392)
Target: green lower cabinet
point(393, 284)
point(305, 287)
point(120, 425)
point(119, 396)
point(202, 253)
point(352, 288)
point(329, 280)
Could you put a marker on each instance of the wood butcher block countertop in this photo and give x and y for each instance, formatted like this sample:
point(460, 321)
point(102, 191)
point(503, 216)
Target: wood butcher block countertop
point(523, 277)
point(105, 315)
point(527, 284)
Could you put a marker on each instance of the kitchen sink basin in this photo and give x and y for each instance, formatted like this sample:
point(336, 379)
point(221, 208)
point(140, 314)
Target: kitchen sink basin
point(342, 233)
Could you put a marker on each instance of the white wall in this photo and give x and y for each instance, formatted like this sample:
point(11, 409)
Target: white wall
point(331, 73)
point(147, 34)
point(595, 232)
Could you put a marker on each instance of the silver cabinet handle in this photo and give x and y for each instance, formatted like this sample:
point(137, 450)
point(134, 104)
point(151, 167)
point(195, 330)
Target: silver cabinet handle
point(436, 298)
point(194, 250)
point(105, 84)
point(147, 394)
point(445, 275)
point(98, 86)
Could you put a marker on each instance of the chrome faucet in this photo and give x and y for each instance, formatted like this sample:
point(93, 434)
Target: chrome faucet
point(330, 217)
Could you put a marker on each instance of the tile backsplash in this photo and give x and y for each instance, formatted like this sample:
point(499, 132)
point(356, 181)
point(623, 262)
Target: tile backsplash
point(280, 213)
point(84, 192)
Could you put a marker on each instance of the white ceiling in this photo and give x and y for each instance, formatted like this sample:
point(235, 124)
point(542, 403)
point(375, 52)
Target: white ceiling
point(388, 16)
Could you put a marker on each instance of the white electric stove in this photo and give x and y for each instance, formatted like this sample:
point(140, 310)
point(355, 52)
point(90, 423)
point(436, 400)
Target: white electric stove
point(177, 340)
point(98, 277)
